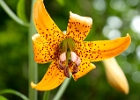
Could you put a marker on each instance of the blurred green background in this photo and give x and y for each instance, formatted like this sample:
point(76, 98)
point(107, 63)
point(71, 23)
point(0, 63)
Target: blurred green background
point(111, 19)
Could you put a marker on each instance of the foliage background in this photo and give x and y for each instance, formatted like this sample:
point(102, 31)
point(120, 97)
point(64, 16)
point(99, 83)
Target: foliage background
point(93, 86)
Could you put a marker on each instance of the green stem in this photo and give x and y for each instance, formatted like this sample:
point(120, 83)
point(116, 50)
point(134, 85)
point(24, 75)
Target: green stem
point(33, 68)
point(46, 95)
point(62, 89)
point(11, 14)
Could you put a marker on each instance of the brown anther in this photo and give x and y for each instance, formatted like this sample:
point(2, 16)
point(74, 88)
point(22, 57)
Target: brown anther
point(61, 65)
point(75, 69)
point(66, 72)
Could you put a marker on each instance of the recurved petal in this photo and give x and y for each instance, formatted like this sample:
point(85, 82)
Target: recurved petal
point(78, 27)
point(100, 50)
point(43, 51)
point(52, 79)
point(44, 24)
point(84, 67)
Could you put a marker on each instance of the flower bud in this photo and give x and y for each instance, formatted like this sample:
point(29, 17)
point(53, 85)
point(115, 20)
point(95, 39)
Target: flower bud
point(115, 75)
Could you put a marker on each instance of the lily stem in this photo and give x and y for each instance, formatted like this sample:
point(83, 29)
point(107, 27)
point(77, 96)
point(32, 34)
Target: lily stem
point(46, 95)
point(62, 89)
point(33, 67)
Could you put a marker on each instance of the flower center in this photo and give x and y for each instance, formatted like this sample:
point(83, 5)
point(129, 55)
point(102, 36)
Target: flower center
point(68, 55)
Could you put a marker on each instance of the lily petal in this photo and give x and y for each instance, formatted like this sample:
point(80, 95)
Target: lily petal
point(43, 51)
point(84, 67)
point(78, 27)
point(44, 24)
point(100, 50)
point(52, 79)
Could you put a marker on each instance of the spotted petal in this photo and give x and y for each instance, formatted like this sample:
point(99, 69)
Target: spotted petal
point(44, 24)
point(44, 51)
point(52, 79)
point(78, 27)
point(84, 67)
point(100, 50)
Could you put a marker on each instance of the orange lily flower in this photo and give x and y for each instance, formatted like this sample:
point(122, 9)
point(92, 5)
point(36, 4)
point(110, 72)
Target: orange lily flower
point(68, 52)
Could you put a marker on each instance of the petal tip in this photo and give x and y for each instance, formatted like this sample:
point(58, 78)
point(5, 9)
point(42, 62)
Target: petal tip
point(126, 91)
point(128, 36)
point(93, 66)
point(87, 20)
point(35, 36)
point(33, 85)
point(70, 12)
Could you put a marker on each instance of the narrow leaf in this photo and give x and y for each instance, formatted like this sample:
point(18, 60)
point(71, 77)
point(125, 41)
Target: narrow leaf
point(21, 10)
point(11, 13)
point(15, 93)
point(3, 98)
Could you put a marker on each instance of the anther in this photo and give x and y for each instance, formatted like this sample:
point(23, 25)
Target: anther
point(61, 60)
point(76, 59)
point(73, 56)
point(75, 69)
point(63, 57)
point(61, 65)
point(66, 72)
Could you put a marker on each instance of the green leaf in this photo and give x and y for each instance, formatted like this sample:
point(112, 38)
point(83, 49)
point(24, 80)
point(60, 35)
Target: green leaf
point(3, 98)
point(21, 10)
point(15, 93)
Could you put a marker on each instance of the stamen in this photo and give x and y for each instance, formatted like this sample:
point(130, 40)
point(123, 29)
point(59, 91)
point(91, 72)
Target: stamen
point(66, 72)
point(67, 47)
point(75, 69)
point(61, 65)
point(76, 59)
point(73, 56)
point(63, 57)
